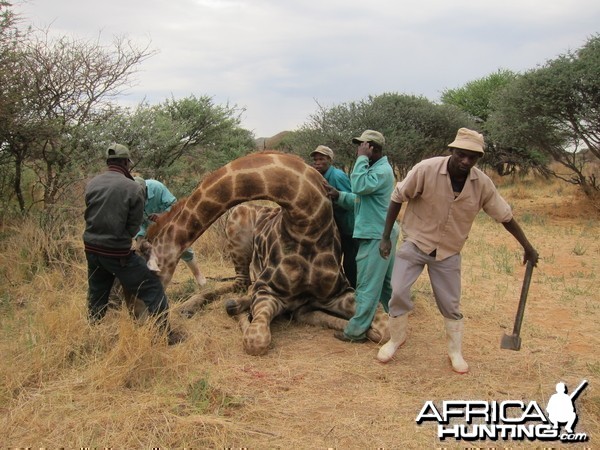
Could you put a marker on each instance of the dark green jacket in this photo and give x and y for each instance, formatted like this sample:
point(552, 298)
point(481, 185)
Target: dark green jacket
point(113, 214)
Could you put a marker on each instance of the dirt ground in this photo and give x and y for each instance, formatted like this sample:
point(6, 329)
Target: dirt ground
point(109, 386)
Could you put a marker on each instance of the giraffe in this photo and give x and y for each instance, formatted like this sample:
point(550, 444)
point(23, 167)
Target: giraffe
point(240, 229)
point(296, 250)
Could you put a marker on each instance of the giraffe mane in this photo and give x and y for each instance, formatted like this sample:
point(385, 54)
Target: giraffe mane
point(165, 218)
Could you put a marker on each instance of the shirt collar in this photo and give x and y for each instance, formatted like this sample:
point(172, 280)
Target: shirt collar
point(119, 169)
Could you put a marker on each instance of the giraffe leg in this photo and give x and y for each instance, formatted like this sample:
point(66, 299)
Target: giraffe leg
point(257, 336)
point(239, 230)
point(239, 305)
point(242, 277)
point(344, 306)
point(192, 305)
point(319, 318)
point(379, 331)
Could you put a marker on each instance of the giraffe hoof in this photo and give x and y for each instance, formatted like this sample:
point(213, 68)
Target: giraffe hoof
point(232, 307)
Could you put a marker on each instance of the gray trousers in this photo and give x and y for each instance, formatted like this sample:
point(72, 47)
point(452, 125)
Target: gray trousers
point(444, 276)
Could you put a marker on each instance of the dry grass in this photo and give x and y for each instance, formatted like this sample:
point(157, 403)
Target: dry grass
point(66, 384)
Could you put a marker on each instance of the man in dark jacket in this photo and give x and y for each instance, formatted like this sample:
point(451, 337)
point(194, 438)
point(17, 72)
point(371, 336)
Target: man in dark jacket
point(114, 211)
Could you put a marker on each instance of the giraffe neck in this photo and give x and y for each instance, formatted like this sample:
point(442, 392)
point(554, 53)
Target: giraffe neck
point(282, 178)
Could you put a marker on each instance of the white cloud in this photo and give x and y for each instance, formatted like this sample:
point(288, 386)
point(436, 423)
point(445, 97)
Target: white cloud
point(275, 57)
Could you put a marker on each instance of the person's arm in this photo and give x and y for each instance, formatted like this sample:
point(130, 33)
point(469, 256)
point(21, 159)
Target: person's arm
point(344, 199)
point(364, 181)
point(342, 182)
point(385, 246)
point(531, 253)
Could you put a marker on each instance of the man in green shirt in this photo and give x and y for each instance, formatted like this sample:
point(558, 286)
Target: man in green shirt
point(372, 181)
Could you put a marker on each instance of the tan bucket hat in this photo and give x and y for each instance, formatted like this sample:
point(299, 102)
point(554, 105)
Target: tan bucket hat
point(323, 150)
point(468, 140)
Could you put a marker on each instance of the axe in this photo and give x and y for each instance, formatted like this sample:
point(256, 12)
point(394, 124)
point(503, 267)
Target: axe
point(513, 341)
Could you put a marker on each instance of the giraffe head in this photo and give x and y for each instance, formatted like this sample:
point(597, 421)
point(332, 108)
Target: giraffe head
point(164, 238)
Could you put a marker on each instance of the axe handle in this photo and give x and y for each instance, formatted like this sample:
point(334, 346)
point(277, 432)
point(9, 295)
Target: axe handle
point(523, 299)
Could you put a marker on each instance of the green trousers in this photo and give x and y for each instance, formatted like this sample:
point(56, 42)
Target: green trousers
point(373, 284)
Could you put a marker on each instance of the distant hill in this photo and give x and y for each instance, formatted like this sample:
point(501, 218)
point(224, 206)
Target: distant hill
point(269, 143)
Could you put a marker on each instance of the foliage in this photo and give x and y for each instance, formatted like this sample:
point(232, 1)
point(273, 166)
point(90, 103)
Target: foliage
point(58, 88)
point(58, 112)
point(475, 96)
point(554, 111)
point(477, 99)
point(186, 136)
point(10, 39)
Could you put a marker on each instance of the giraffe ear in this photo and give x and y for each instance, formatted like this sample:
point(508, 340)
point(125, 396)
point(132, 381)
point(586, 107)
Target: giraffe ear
point(153, 262)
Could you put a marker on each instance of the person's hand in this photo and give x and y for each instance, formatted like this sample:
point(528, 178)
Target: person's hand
point(332, 192)
point(365, 149)
point(532, 255)
point(385, 246)
point(153, 217)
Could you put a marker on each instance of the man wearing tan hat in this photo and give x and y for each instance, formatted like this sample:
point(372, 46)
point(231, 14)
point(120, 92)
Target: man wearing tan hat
point(322, 157)
point(372, 182)
point(443, 195)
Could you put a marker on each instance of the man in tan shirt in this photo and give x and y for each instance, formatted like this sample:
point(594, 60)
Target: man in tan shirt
point(444, 194)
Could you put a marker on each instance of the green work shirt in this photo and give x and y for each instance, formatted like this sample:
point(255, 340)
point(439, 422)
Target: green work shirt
point(372, 188)
point(159, 200)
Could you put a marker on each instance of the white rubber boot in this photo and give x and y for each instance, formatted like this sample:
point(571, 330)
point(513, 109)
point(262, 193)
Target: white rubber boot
point(397, 326)
point(454, 333)
point(193, 266)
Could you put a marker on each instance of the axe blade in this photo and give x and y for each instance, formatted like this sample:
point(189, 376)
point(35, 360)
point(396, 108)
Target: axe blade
point(511, 342)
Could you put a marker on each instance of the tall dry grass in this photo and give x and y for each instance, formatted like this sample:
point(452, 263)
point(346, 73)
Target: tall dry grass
point(67, 384)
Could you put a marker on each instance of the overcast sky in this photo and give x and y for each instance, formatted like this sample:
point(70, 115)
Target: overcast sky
point(278, 58)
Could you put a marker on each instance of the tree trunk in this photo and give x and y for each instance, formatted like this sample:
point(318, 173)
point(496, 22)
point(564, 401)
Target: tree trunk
point(17, 183)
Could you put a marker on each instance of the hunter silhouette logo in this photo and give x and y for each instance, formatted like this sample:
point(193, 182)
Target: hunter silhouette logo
point(510, 419)
point(561, 407)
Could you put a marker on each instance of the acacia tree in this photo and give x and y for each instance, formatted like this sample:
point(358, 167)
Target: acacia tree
point(555, 110)
point(64, 86)
point(476, 98)
point(10, 96)
point(333, 126)
point(191, 134)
